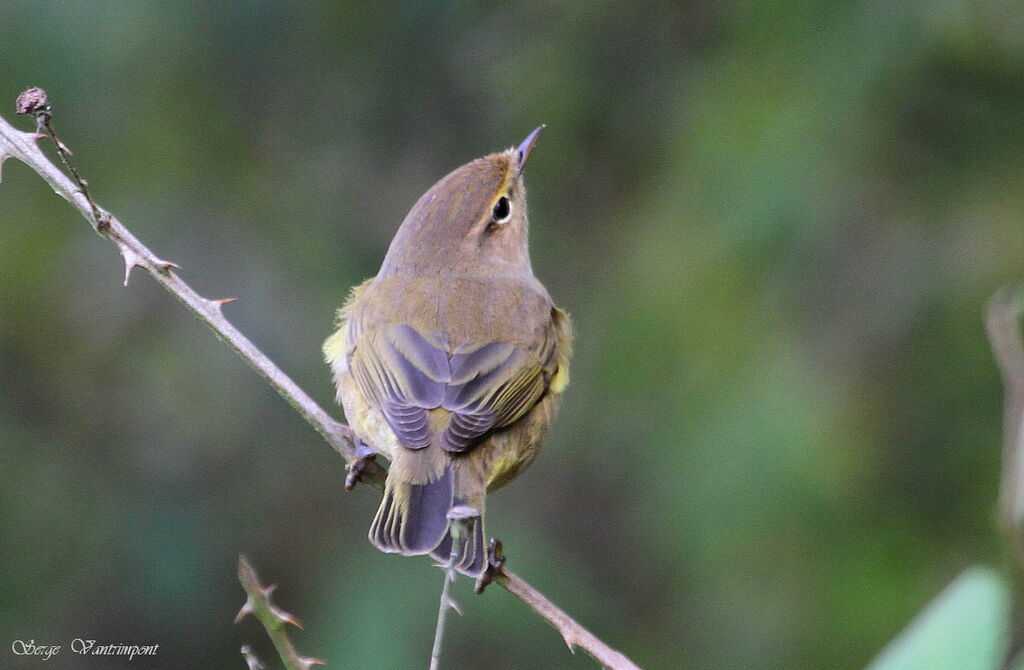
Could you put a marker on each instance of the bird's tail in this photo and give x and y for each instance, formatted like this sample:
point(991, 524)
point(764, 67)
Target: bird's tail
point(413, 514)
point(412, 517)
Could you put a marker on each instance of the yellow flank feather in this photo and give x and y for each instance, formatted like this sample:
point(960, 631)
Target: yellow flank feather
point(560, 380)
point(334, 346)
point(563, 336)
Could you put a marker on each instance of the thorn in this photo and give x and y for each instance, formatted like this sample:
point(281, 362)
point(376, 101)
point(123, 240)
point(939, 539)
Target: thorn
point(307, 663)
point(246, 610)
point(131, 261)
point(570, 641)
point(250, 658)
point(39, 136)
point(128, 267)
point(455, 606)
point(165, 266)
point(277, 612)
point(224, 301)
point(284, 617)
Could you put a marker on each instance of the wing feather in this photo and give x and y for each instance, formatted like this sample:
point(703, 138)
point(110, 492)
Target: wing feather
point(485, 387)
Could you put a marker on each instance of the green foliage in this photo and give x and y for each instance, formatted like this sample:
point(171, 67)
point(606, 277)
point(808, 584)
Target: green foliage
point(965, 628)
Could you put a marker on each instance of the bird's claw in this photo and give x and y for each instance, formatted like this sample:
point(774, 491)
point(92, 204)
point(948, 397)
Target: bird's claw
point(364, 455)
point(495, 562)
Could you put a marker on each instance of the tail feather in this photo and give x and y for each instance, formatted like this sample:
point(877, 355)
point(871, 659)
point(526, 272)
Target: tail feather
point(412, 518)
point(413, 514)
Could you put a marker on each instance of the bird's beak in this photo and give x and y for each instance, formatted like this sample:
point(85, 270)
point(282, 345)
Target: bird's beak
point(526, 146)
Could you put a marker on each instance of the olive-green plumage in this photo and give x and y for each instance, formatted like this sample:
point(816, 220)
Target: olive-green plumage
point(450, 362)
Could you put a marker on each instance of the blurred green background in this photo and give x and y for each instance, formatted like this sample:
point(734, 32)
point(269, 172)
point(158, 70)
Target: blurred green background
point(775, 227)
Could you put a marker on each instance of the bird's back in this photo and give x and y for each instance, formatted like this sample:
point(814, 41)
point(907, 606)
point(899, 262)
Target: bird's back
point(458, 310)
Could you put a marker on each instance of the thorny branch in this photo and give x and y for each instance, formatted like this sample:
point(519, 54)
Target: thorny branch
point(273, 618)
point(22, 146)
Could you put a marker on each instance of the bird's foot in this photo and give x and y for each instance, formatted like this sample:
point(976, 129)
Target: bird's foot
point(495, 562)
point(364, 455)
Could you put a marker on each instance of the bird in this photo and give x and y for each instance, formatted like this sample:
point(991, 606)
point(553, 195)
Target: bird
point(451, 361)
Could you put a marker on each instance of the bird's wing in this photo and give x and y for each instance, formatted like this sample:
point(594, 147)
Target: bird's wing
point(404, 376)
point(484, 386)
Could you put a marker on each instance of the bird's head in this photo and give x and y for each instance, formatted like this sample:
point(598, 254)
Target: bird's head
point(472, 222)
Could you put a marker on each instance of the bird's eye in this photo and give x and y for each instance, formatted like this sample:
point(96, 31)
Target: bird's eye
point(502, 210)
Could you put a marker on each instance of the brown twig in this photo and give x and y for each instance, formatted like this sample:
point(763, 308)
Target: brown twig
point(571, 631)
point(1003, 322)
point(273, 618)
point(22, 146)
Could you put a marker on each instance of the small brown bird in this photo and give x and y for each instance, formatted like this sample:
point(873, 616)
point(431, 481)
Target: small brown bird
point(450, 362)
